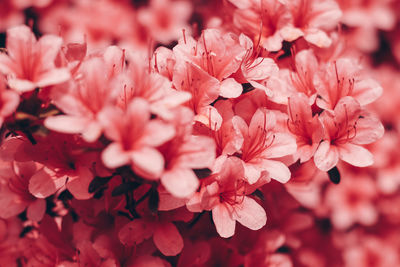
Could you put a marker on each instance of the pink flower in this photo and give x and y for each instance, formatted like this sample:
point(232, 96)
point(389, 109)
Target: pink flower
point(64, 164)
point(140, 81)
point(262, 146)
point(218, 54)
point(307, 129)
point(184, 153)
point(204, 90)
point(346, 130)
point(14, 193)
point(30, 63)
point(341, 78)
point(254, 68)
point(349, 204)
point(314, 18)
point(165, 234)
point(165, 19)
point(9, 101)
point(227, 198)
point(135, 138)
point(84, 101)
point(267, 20)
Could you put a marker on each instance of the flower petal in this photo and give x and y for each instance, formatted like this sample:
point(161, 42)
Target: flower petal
point(180, 182)
point(326, 157)
point(224, 223)
point(355, 155)
point(168, 239)
point(250, 214)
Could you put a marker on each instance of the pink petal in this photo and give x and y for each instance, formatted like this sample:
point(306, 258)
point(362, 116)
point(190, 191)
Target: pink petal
point(355, 155)
point(157, 132)
point(21, 86)
point(317, 37)
point(114, 156)
point(282, 145)
point(92, 132)
point(277, 170)
point(180, 182)
point(224, 223)
point(168, 239)
point(44, 183)
point(230, 88)
point(36, 210)
point(11, 204)
point(6, 64)
point(367, 91)
point(53, 76)
point(49, 46)
point(10, 101)
point(18, 38)
point(135, 232)
point(66, 124)
point(326, 157)
point(148, 162)
point(369, 130)
point(252, 172)
point(197, 152)
point(169, 202)
point(79, 187)
point(250, 214)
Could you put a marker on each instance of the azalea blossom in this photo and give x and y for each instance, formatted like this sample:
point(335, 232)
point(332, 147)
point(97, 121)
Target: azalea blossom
point(345, 131)
point(30, 62)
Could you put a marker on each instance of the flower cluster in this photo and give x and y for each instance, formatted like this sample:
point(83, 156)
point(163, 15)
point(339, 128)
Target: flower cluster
point(137, 133)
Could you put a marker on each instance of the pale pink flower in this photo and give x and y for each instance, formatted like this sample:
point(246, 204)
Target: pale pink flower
point(9, 101)
point(346, 130)
point(30, 63)
point(204, 90)
point(64, 164)
point(165, 19)
point(184, 153)
point(262, 147)
point(341, 78)
point(350, 204)
point(307, 129)
point(14, 193)
point(227, 198)
point(165, 234)
point(218, 54)
point(84, 100)
point(138, 80)
point(135, 138)
point(267, 20)
point(315, 18)
point(254, 68)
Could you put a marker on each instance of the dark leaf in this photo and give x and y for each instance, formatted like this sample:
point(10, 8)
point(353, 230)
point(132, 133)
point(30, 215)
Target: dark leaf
point(258, 194)
point(97, 183)
point(202, 173)
point(124, 188)
point(154, 200)
point(334, 175)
